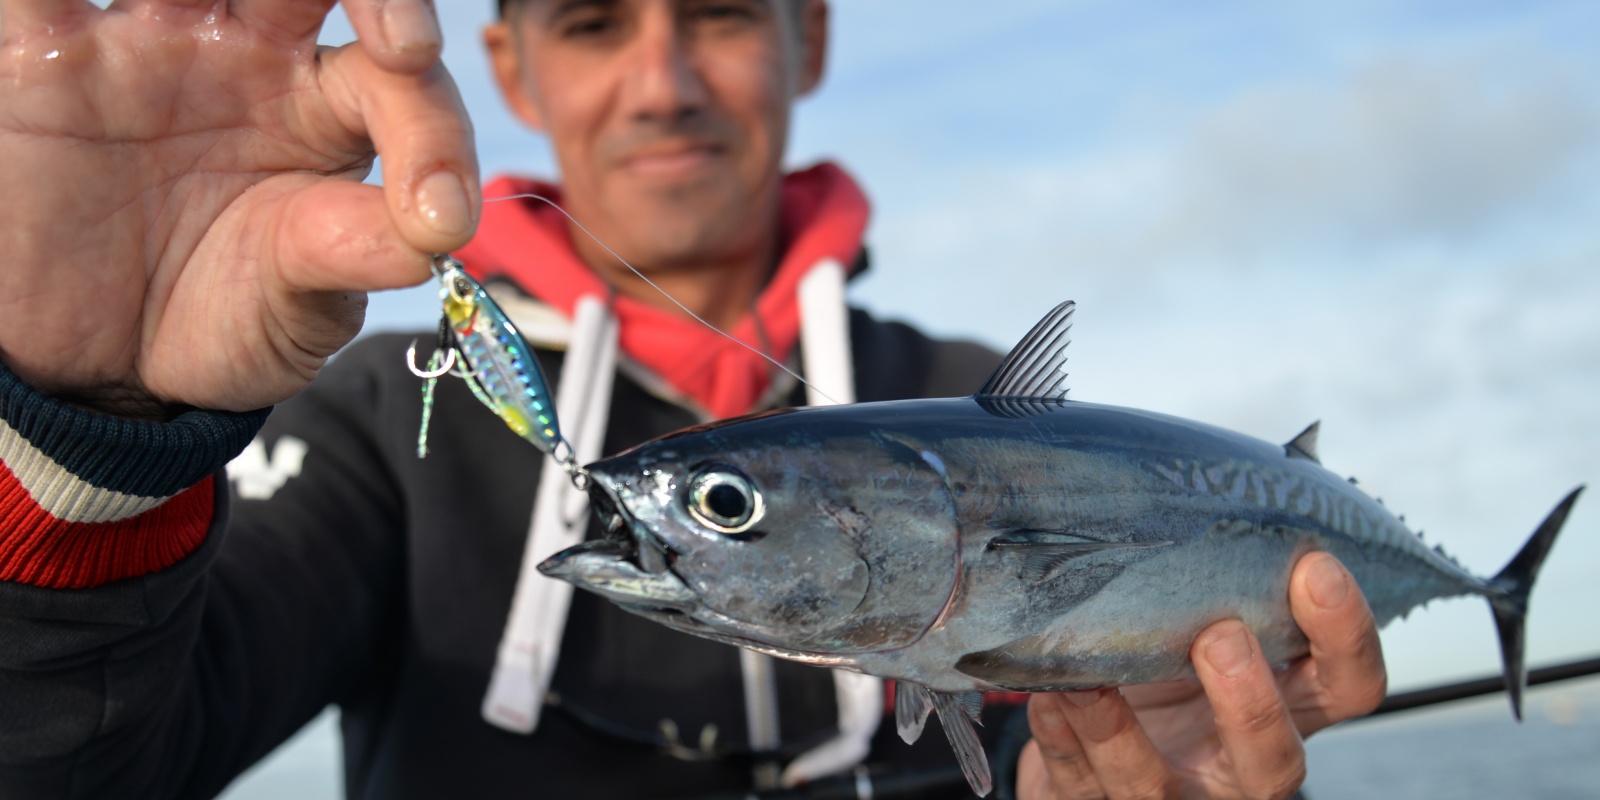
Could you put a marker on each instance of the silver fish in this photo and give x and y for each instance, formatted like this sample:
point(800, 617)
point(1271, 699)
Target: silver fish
point(1009, 541)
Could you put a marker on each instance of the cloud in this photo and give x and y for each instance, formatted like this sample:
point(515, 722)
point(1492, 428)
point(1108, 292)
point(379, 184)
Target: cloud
point(1401, 152)
point(1403, 149)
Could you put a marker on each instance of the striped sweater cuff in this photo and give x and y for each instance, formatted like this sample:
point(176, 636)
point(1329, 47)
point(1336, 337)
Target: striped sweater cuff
point(86, 498)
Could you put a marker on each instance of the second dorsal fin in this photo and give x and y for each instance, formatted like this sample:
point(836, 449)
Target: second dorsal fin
point(1305, 445)
point(1033, 369)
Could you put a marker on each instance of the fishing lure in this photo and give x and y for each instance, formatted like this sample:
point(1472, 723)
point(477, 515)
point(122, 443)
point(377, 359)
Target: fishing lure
point(478, 344)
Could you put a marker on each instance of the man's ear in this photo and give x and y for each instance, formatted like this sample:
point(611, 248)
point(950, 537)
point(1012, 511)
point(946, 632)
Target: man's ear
point(505, 58)
point(813, 45)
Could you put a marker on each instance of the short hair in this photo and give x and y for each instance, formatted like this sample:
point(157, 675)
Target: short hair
point(502, 5)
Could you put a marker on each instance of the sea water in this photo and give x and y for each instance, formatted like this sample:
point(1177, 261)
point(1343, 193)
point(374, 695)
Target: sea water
point(1470, 750)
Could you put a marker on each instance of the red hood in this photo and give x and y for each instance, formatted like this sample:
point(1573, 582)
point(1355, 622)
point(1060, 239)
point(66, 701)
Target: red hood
point(824, 215)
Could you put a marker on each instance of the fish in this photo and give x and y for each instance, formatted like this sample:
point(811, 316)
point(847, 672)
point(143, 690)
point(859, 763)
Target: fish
point(1013, 540)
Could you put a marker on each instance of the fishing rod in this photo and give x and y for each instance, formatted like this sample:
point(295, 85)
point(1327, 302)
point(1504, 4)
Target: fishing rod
point(1477, 687)
point(886, 785)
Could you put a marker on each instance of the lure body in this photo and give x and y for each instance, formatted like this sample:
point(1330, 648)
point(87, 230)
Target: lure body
point(496, 361)
point(486, 350)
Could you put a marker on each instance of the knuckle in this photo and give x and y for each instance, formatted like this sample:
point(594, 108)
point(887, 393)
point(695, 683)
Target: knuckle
point(1088, 789)
point(1361, 637)
point(1370, 695)
point(1062, 756)
point(1359, 694)
point(1282, 785)
point(1151, 786)
point(1259, 714)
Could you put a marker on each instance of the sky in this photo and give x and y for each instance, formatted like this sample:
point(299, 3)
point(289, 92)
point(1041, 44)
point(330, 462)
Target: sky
point(1384, 216)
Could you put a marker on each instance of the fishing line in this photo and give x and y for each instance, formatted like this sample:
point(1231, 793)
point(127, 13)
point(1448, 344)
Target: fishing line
point(697, 318)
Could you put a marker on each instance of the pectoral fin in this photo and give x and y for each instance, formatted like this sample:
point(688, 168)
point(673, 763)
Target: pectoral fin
point(956, 716)
point(1044, 553)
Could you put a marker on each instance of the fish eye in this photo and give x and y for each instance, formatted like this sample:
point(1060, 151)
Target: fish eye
point(461, 287)
point(724, 500)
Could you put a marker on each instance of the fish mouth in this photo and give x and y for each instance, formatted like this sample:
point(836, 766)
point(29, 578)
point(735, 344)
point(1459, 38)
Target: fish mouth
point(627, 564)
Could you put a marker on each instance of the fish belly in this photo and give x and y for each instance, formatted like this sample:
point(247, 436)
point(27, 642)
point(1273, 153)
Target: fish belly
point(1140, 626)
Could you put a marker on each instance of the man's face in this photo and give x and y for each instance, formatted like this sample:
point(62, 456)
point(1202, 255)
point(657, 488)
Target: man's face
point(668, 117)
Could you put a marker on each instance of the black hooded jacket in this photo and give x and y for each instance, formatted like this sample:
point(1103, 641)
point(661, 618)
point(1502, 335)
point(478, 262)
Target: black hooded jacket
point(380, 582)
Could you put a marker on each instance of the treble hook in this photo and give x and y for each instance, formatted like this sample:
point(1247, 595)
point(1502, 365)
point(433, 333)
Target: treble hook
point(411, 362)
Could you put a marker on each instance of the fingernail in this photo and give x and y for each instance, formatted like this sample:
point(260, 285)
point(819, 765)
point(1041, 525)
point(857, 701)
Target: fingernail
point(442, 202)
point(410, 25)
point(1229, 654)
point(1083, 699)
point(1327, 583)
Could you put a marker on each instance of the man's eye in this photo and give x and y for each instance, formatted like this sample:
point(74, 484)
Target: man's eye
point(590, 27)
point(723, 12)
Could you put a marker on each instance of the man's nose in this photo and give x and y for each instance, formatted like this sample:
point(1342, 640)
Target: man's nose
point(665, 84)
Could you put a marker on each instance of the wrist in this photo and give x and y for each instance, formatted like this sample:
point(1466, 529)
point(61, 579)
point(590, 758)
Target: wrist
point(130, 404)
point(126, 402)
point(89, 498)
point(125, 441)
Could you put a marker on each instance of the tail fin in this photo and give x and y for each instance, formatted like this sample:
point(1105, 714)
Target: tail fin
point(1509, 597)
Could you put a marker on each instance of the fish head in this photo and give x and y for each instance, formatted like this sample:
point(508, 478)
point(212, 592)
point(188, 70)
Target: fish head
point(777, 532)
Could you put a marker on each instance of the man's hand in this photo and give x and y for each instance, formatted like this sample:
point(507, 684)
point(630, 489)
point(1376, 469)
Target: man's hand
point(184, 222)
point(1235, 735)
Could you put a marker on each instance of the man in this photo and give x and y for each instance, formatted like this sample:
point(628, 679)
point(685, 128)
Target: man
point(187, 232)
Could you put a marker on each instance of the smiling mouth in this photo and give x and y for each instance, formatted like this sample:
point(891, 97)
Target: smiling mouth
point(667, 162)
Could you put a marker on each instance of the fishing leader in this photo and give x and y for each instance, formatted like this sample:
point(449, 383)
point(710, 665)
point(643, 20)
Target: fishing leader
point(187, 243)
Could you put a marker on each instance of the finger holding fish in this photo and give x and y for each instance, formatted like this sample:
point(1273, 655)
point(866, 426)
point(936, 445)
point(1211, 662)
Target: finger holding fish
point(1230, 735)
point(1344, 675)
point(1258, 752)
point(1090, 745)
point(1054, 765)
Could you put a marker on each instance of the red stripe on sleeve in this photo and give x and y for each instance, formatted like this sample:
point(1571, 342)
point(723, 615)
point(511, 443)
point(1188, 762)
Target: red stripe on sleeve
point(38, 549)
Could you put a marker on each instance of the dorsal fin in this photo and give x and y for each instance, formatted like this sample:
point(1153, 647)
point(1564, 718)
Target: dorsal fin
point(1033, 368)
point(1305, 445)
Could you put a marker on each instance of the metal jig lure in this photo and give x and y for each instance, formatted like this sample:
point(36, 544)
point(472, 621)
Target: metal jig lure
point(478, 343)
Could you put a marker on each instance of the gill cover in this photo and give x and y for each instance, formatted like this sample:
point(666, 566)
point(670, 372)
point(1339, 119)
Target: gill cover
point(797, 532)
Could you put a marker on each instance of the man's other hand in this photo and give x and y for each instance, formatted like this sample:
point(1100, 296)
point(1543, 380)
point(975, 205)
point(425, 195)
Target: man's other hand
point(1237, 734)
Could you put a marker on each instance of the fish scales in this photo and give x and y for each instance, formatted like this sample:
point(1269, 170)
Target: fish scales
point(1057, 475)
point(1004, 541)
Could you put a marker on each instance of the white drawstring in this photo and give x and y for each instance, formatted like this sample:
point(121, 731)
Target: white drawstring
point(526, 658)
point(825, 344)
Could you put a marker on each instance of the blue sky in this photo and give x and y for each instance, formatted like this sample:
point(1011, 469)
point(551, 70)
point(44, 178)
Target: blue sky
point(1376, 215)
point(1384, 216)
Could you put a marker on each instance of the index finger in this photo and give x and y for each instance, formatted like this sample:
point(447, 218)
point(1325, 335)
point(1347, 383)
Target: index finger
point(398, 35)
